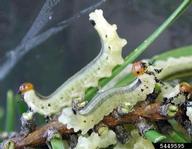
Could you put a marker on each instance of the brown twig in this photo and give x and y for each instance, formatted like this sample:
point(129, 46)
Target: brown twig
point(38, 137)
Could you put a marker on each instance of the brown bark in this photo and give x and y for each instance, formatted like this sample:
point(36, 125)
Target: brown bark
point(38, 137)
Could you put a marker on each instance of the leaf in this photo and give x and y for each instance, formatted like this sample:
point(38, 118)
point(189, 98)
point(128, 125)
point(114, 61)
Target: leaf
point(10, 112)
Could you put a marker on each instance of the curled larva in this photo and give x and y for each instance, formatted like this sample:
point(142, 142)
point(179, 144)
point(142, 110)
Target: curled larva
point(104, 103)
point(75, 87)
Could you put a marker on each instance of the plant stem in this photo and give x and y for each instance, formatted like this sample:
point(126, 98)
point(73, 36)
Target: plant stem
point(141, 48)
point(154, 136)
point(177, 137)
point(10, 112)
point(179, 129)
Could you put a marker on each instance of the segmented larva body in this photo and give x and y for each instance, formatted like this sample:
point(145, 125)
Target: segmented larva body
point(101, 67)
point(95, 141)
point(172, 66)
point(104, 103)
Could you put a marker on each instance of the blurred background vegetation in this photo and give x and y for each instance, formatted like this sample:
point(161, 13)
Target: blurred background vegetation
point(48, 65)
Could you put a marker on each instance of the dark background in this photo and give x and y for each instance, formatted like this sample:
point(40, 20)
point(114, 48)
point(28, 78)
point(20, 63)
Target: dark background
point(48, 65)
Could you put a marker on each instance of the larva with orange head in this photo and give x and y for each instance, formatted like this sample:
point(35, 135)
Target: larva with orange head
point(74, 88)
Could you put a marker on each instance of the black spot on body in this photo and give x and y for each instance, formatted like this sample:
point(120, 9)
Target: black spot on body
point(84, 121)
point(92, 22)
point(49, 105)
point(74, 111)
point(158, 70)
point(152, 97)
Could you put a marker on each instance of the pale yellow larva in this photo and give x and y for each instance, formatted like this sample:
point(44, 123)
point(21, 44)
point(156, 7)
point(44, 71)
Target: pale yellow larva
point(75, 87)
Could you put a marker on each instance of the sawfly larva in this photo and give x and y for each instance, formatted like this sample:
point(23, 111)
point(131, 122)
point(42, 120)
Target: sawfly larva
point(75, 87)
point(104, 103)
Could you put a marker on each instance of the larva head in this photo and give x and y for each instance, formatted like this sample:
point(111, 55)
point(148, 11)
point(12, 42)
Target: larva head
point(185, 88)
point(25, 87)
point(138, 68)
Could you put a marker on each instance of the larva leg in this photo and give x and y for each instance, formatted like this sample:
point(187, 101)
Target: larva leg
point(124, 108)
point(9, 144)
point(27, 122)
point(101, 129)
point(73, 139)
point(77, 105)
point(168, 110)
point(153, 96)
point(143, 126)
point(121, 134)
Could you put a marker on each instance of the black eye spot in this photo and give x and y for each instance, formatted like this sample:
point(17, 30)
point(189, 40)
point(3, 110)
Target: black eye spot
point(105, 36)
point(49, 105)
point(92, 22)
point(84, 121)
point(137, 72)
point(109, 47)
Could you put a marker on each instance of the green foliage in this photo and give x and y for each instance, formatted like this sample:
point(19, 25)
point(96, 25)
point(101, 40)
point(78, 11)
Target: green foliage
point(56, 142)
point(1, 117)
point(10, 112)
point(13, 104)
